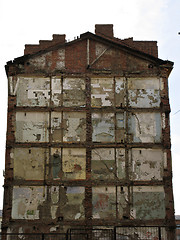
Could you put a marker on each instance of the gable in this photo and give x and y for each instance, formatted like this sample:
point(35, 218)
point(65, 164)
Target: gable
point(89, 53)
point(115, 60)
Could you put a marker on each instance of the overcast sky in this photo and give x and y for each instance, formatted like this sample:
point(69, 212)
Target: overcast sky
point(26, 22)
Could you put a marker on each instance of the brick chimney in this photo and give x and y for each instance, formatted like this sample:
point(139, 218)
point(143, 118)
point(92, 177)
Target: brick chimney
point(44, 44)
point(104, 29)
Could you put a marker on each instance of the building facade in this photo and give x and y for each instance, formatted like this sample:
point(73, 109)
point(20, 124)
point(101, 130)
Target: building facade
point(88, 136)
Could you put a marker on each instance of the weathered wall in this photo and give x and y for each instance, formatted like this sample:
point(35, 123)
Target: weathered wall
point(87, 140)
point(67, 125)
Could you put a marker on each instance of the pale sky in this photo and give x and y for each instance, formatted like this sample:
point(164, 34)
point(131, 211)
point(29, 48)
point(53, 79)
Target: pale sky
point(26, 22)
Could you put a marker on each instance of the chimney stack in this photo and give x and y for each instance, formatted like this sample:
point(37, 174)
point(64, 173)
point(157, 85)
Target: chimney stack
point(104, 29)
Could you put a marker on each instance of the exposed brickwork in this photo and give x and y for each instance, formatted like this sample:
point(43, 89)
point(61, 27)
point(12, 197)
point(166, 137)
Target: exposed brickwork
point(44, 44)
point(104, 30)
point(90, 60)
point(149, 47)
point(76, 57)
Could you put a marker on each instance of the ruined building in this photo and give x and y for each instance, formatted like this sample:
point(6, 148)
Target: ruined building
point(88, 136)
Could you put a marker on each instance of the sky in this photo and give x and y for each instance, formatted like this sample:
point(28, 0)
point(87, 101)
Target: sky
point(26, 22)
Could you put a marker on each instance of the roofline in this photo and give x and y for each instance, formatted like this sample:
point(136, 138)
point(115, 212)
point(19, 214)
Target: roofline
point(125, 47)
point(104, 39)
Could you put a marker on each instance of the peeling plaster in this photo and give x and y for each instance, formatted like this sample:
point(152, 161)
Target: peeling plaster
point(26, 201)
point(104, 202)
point(74, 92)
point(103, 163)
point(32, 127)
point(103, 127)
point(73, 207)
point(147, 164)
point(74, 126)
point(102, 92)
point(145, 127)
point(149, 202)
point(144, 92)
point(29, 163)
point(74, 163)
point(33, 92)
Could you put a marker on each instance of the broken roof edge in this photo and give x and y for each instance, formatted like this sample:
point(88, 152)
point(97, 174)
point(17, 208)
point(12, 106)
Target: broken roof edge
point(118, 43)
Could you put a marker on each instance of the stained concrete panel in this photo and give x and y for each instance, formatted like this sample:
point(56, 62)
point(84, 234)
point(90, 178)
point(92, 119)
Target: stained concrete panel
point(145, 127)
point(104, 202)
point(33, 91)
point(72, 203)
point(120, 127)
point(74, 94)
point(149, 202)
point(147, 164)
point(103, 127)
point(103, 163)
point(54, 193)
point(123, 202)
point(120, 92)
point(29, 163)
point(102, 92)
point(74, 163)
point(26, 202)
point(56, 126)
point(32, 127)
point(120, 163)
point(56, 92)
point(56, 163)
point(108, 163)
point(144, 93)
point(74, 126)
